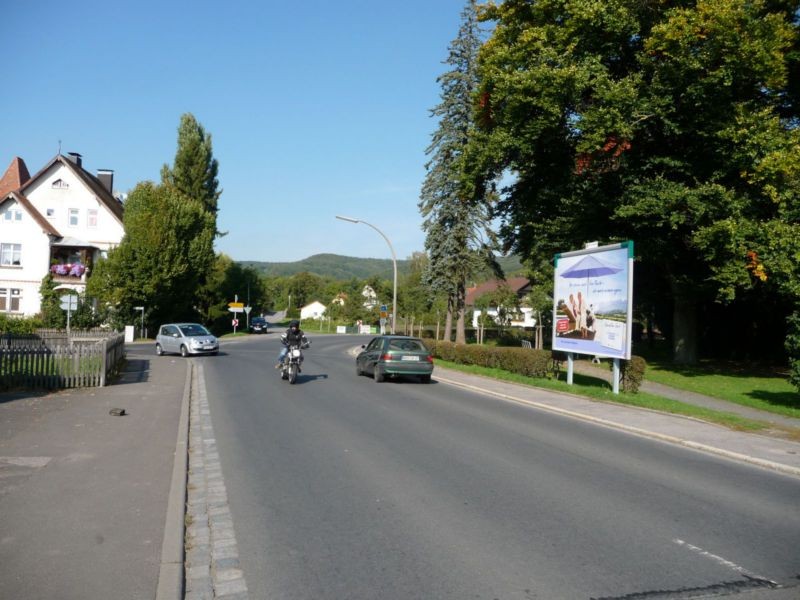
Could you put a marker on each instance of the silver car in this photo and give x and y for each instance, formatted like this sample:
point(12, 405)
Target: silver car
point(185, 339)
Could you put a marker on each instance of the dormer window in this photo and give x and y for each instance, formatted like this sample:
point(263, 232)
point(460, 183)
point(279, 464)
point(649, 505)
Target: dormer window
point(60, 184)
point(13, 215)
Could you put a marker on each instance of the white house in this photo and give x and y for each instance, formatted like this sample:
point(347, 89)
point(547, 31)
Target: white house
point(315, 310)
point(519, 285)
point(61, 220)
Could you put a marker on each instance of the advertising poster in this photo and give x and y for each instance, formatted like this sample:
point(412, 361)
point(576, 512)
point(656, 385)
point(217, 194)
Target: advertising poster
point(593, 301)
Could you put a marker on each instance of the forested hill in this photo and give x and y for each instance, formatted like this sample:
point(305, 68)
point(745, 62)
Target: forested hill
point(347, 267)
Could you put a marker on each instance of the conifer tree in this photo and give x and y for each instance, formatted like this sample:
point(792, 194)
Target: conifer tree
point(458, 236)
point(195, 170)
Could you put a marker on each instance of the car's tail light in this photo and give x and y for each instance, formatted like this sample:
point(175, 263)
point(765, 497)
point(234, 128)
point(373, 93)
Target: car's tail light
point(429, 358)
point(386, 357)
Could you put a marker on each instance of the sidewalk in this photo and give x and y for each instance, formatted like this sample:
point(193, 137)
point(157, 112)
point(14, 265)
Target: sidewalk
point(84, 495)
point(604, 372)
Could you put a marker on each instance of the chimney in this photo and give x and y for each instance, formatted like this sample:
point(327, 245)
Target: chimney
point(75, 157)
point(106, 177)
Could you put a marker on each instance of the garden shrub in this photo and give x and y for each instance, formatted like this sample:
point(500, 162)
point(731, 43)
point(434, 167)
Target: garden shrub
point(522, 361)
point(19, 326)
point(632, 373)
point(792, 345)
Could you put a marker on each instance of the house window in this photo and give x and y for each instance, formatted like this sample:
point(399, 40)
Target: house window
point(51, 213)
point(91, 217)
point(13, 215)
point(73, 217)
point(9, 302)
point(10, 255)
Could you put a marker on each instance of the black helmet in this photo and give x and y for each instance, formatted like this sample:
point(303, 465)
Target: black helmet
point(294, 324)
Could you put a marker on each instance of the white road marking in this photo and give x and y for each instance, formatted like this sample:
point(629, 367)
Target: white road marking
point(724, 562)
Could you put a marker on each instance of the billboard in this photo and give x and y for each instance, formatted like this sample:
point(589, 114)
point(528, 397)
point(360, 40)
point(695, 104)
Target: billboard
point(593, 301)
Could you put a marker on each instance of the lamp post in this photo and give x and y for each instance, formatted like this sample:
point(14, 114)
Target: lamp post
point(141, 308)
point(394, 263)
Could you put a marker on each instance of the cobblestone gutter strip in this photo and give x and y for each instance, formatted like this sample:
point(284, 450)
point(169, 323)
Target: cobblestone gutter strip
point(171, 577)
point(212, 556)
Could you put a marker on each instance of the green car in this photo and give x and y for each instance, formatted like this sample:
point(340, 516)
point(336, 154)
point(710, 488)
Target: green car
point(395, 356)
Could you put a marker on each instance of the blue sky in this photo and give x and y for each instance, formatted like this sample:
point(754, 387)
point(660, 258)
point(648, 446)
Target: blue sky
point(315, 108)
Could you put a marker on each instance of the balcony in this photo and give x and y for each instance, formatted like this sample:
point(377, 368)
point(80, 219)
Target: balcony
point(69, 272)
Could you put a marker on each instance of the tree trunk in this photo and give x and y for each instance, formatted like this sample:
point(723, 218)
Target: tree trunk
point(461, 293)
point(448, 322)
point(684, 328)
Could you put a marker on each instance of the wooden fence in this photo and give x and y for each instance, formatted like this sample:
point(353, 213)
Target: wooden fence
point(56, 362)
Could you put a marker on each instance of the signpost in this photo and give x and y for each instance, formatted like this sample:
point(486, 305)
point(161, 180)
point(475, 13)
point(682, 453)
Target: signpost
point(69, 303)
point(235, 308)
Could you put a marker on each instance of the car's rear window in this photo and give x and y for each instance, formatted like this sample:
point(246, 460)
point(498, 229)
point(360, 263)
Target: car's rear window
point(407, 346)
point(191, 330)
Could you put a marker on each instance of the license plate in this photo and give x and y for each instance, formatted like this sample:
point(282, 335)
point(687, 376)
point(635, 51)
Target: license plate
point(410, 358)
point(208, 347)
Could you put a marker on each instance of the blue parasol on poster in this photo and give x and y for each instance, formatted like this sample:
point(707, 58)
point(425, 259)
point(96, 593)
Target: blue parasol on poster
point(589, 266)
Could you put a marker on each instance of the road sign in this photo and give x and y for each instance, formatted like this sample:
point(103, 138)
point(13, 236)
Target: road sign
point(247, 309)
point(235, 322)
point(69, 302)
point(236, 309)
point(236, 304)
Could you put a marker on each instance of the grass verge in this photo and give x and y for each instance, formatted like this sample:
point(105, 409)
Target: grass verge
point(597, 389)
point(765, 390)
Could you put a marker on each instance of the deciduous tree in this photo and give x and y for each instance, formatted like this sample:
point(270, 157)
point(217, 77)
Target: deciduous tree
point(673, 124)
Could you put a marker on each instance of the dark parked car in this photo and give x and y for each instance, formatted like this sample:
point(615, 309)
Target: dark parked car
point(395, 355)
point(258, 325)
point(185, 339)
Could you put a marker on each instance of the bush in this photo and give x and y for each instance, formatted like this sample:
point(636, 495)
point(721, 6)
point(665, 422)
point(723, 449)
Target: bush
point(792, 345)
point(19, 326)
point(522, 361)
point(632, 373)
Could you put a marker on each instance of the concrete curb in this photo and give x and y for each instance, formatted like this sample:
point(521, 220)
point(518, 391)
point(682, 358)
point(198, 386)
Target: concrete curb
point(787, 469)
point(171, 572)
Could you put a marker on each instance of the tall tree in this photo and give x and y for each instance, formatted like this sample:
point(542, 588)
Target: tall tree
point(457, 225)
point(195, 170)
point(166, 252)
point(670, 123)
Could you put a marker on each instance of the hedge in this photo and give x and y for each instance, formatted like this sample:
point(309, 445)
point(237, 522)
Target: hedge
point(543, 364)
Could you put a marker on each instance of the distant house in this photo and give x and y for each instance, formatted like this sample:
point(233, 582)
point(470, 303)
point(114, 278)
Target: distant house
point(315, 310)
point(61, 220)
point(370, 298)
point(521, 286)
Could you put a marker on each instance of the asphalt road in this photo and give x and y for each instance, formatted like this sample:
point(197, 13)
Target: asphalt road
point(343, 488)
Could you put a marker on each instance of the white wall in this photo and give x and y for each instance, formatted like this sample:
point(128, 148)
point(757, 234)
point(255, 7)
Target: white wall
point(77, 195)
point(34, 259)
point(312, 311)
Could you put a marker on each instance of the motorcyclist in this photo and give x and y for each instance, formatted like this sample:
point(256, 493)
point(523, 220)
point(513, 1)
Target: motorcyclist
point(292, 336)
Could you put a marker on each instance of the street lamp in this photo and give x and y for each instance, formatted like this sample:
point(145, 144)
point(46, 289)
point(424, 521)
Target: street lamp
point(141, 308)
point(394, 263)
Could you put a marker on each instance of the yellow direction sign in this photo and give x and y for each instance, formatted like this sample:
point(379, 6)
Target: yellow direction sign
point(235, 304)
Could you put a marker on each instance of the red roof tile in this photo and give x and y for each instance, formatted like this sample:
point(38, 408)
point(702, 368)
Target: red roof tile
point(15, 177)
point(517, 284)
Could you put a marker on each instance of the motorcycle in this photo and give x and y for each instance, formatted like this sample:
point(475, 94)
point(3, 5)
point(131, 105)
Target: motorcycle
point(292, 362)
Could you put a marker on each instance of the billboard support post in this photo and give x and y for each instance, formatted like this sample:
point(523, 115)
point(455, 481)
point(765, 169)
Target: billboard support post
point(570, 368)
point(615, 385)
